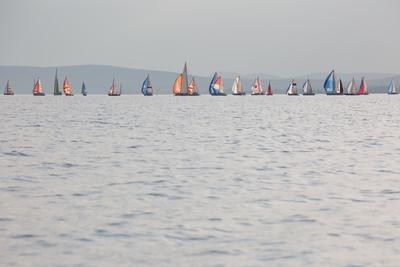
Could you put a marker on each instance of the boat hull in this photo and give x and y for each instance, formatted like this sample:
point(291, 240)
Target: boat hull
point(8, 93)
point(308, 94)
point(223, 94)
point(257, 94)
point(239, 93)
point(57, 93)
point(38, 94)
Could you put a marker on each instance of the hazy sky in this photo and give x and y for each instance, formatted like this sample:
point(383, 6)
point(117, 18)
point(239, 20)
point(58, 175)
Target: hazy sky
point(281, 37)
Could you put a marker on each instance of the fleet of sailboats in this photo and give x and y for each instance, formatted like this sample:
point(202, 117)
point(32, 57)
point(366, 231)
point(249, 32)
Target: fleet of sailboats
point(8, 90)
point(182, 87)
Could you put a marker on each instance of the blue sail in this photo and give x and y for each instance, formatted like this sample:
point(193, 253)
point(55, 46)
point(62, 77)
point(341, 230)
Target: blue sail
point(330, 83)
point(144, 86)
point(211, 88)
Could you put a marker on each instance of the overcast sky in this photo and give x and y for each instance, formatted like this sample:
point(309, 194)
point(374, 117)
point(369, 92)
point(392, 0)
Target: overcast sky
point(281, 37)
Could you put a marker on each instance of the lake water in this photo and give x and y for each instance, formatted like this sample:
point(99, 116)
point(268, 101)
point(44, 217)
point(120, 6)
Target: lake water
point(200, 181)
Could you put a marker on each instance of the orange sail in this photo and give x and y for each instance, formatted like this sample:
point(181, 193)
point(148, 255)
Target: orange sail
point(177, 88)
point(66, 87)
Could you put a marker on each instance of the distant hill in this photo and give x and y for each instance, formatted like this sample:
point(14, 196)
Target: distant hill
point(98, 79)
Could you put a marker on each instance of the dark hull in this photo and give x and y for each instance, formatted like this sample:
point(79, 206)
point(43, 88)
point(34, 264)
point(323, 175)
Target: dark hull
point(84, 94)
point(393, 93)
point(239, 93)
point(8, 93)
point(293, 94)
point(268, 94)
point(57, 93)
point(220, 94)
point(186, 94)
point(69, 95)
point(308, 94)
point(257, 94)
point(113, 95)
point(38, 94)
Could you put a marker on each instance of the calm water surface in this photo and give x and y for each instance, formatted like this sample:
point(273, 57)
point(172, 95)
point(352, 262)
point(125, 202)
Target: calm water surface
point(200, 181)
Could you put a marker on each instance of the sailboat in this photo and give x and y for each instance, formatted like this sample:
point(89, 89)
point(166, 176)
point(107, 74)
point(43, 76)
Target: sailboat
point(56, 89)
point(67, 88)
point(147, 88)
point(114, 91)
point(392, 88)
point(8, 90)
point(351, 88)
point(339, 88)
point(83, 90)
point(269, 89)
point(292, 89)
point(37, 88)
point(330, 83)
point(216, 88)
point(181, 85)
point(363, 90)
point(192, 89)
point(237, 87)
point(256, 89)
point(307, 89)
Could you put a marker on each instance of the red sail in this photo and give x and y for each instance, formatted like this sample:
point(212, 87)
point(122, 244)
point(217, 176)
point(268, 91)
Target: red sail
point(269, 90)
point(36, 87)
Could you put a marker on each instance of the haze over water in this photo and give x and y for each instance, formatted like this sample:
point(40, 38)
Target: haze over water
point(200, 181)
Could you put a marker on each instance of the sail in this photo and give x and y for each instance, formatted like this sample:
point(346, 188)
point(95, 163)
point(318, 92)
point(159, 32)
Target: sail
point(256, 88)
point(113, 88)
point(392, 87)
point(37, 88)
point(177, 87)
point(307, 88)
point(8, 89)
point(269, 89)
point(185, 82)
point(56, 89)
point(192, 87)
point(363, 87)
point(292, 89)
point(339, 88)
point(214, 87)
point(83, 91)
point(149, 88)
point(237, 87)
point(66, 87)
point(351, 87)
point(330, 83)
point(144, 85)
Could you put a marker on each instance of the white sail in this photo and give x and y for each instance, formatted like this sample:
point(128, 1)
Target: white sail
point(307, 89)
point(292, 90)
point(351, 87)
point(256, 88)
point(235, 86)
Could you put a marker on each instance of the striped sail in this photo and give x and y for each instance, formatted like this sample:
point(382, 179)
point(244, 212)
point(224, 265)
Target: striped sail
point(392, 88)
point(307, 89)
point(216, 87)
point(66, 87)
point(256, 89)
point(192, 89)
point(37, 88)
point(330, 83)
